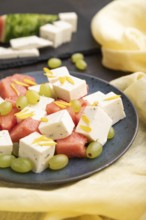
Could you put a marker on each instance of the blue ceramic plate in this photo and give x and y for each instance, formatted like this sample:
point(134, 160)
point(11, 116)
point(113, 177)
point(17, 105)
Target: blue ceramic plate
point(78, 169)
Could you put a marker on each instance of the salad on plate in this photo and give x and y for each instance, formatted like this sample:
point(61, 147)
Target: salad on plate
point(44, 125)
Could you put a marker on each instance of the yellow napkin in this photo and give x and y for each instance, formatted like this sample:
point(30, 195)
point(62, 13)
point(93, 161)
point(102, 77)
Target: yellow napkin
point(118, 192)
point(120, 28)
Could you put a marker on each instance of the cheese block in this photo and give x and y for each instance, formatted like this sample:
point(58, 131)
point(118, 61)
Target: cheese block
point(1, 100)
point(6, 145)
point(37, 111)
point(8, 53)
point(27, 52)
point(58, 126)
point(94, 124)
point(54, 74)
point(66, 30)
point(29, 42)
point(113, 106)
point(94, 98)
point(52, 33)
point(38, 149)
point(70, 87)
point(70, 17)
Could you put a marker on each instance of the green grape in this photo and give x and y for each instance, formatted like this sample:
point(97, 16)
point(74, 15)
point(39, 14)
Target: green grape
point(21, 102)
point(54, 63)
point(45, 90)
point(58, 162)
point(5, 160)
point(77, 56)
point(81, 65)
point(111, 133)
point(32, 96)
point(21, 165)
point(93, 150)
point(5, 108)
point(76, 105)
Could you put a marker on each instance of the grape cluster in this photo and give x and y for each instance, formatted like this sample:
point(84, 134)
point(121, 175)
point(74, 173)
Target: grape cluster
point(24, 165)
point(77, 59)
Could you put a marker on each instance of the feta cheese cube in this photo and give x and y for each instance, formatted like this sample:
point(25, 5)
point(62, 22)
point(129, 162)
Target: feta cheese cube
point(36, 111)
point(35, 88)
point(29, 112)
point(69, 88)
point(59, 125)
point(29, 43)
point(52, 33)
point(38, 149)
point(66, 30)
point(2, 49)
point(9, 53)
point(113, 106)
point(41, 105)
point(56, 73)
point(27, 52)
point(1, 100)
point(94, 98)
point(70, 17)
point(6, 145)
point(94, 124)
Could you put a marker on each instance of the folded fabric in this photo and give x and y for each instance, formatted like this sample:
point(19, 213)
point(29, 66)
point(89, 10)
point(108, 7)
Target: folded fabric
point(121, 31)
point(118, 192)
point(136, 91)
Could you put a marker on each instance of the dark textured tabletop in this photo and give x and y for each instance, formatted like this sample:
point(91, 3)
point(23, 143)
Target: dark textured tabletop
point(82, 41)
